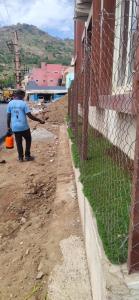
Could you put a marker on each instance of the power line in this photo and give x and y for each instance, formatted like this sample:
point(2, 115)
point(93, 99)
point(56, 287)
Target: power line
point(6, 9)
point(14, 49)
point(2, 19)
point(13, 46)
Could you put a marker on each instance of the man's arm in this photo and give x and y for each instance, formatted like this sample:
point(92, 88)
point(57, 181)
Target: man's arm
point(35, 118)
point(8, 120)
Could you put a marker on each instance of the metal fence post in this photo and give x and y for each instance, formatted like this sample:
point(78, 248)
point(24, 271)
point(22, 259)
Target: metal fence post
point(85, 104)
point(69, 102)
point(133, 249)
point(72, 105)
point(95, 52)
point(76, 109)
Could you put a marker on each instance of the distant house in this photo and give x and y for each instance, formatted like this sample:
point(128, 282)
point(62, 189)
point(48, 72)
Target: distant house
point(46, 93)
point(48, 74)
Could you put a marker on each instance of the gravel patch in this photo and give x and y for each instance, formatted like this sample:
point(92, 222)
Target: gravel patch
point(42, 133)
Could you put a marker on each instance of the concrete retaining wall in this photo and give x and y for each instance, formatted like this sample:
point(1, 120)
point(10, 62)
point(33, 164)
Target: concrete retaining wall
point(109, 282)
point(118, 128)
point(92, 244)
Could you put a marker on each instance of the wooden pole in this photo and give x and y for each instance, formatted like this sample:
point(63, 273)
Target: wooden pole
point(17, 60)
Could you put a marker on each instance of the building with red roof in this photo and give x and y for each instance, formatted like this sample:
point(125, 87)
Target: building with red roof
point(48, 74)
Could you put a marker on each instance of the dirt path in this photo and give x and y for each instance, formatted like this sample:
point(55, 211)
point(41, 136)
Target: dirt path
point(41, 248)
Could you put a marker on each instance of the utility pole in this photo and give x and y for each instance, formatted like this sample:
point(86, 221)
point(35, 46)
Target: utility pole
point(13, 46)
point(17, 61)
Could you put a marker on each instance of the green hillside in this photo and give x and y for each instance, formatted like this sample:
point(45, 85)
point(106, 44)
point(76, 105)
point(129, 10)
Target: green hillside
point(35, 46)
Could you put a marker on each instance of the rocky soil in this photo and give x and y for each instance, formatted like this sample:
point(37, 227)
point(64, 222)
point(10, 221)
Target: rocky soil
point(32, 224)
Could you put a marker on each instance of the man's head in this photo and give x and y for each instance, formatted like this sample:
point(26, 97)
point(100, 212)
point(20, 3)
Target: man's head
point(19, 94)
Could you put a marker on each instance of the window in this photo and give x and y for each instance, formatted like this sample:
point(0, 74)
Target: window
point(132, 44)
point(124, 44)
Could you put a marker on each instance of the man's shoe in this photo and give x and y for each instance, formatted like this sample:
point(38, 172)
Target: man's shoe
point(29, 158)
point(21, 159)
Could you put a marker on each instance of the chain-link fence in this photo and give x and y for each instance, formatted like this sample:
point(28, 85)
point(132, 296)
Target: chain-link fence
point(103, 111)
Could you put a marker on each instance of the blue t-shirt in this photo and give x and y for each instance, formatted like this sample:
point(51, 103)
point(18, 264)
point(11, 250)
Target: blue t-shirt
point(18, 110)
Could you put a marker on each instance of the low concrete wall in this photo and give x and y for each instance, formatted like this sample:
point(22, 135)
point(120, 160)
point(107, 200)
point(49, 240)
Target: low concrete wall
point(92, 244)
point(118, 128)
point(109, 282)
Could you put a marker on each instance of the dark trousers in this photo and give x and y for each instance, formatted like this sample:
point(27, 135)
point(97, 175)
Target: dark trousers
point(19, 142)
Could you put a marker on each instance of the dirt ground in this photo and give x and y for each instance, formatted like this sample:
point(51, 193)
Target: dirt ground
point(29, 237)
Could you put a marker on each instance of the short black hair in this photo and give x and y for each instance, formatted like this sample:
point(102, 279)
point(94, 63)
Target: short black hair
point(19, 94)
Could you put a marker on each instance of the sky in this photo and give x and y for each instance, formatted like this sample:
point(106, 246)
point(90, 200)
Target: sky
point(52, 16)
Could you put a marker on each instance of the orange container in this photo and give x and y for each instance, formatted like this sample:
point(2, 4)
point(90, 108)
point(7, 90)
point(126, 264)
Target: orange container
point(9, 142)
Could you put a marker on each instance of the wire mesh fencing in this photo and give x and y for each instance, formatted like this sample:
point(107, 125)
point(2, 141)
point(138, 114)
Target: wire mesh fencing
point(103, 101)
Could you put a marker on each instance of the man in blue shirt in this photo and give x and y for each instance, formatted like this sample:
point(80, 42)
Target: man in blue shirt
point(17, 113)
